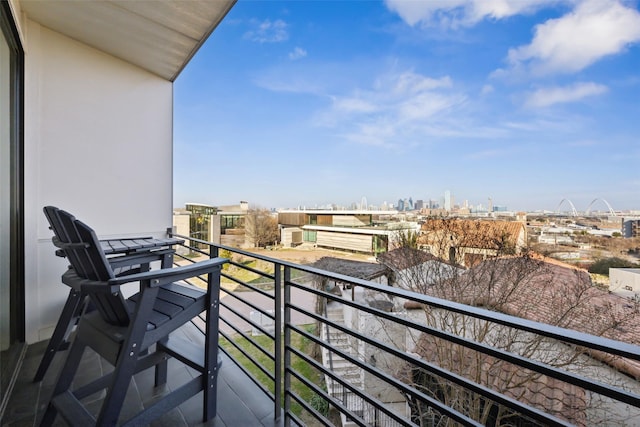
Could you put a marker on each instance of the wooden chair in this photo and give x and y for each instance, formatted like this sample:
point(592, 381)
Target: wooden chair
point(132, 256)
point(134, 334)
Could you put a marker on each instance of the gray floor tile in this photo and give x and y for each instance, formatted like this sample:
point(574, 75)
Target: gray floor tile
point(240, 402)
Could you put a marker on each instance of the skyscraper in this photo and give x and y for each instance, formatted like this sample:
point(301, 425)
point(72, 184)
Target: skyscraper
point(447, 200)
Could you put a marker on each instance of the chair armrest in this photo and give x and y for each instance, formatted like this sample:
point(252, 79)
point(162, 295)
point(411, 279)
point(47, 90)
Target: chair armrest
point(169, 275)
point(71, 279)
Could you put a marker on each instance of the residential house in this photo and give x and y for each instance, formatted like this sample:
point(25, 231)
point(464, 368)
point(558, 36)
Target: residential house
point(469, 241)
point(531, 287)
point(543, 291)
point(416, 270)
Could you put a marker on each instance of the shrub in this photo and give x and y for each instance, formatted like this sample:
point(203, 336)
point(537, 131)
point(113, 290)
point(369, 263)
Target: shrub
point(603, 265)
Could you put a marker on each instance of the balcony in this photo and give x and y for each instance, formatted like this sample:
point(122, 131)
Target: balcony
point(305, 346)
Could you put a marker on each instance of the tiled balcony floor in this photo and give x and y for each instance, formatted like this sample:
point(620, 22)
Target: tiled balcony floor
point(240, 401)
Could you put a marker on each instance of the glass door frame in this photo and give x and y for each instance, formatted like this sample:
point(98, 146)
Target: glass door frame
point(11, 358)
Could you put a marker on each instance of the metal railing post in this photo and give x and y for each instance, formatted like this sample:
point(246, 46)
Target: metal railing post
point(278, 341)
point(287, 344)
point(213, 251)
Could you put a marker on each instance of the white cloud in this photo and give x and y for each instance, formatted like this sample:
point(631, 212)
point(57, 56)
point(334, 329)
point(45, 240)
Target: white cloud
point(354, 105)
point(593, 30)
point(487, 89)
point(268, 31)
point(394, 110)
point(455, 13)
point(556, 95)
point(297, 53)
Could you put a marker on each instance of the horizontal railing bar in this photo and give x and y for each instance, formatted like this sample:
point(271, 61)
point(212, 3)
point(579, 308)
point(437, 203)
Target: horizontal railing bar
point(248, 374)
point(253, 270)
point(255, 344)
point(457, 379)
point(539, 367)
point(608, 345)
point(236, 328)
point(249, 304)
point(297, 422)
point(191, 249)
point(452, 413)
point(310, 409)
point(228, 248)
point(355, 390)
point(631, 351)
point(248, 356)
point(247, 285)
point(357, 419)
point(231, 262)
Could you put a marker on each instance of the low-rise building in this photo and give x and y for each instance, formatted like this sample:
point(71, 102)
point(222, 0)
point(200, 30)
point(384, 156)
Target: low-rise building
point(218, 224)
point(631, 227)
point(625, 282)
point(364, 231)
point(469, 241)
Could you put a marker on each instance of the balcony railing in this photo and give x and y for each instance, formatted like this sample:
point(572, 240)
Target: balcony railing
point(367, 371)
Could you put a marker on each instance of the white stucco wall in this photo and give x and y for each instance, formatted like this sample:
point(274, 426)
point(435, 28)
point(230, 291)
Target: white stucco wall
point(98, 143)
point(625, 282)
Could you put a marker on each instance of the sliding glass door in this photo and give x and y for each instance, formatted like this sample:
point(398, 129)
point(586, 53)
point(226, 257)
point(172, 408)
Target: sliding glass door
point(11, 201)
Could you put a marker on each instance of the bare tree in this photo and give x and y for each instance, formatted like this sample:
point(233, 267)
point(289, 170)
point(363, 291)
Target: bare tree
point(521, 284)
point(261, 227)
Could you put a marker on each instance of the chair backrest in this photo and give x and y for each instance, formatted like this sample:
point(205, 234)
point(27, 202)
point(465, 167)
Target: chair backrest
point(82, 248)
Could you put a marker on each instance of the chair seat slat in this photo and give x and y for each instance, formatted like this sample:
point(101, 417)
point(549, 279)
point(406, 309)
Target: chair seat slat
point(186, 290)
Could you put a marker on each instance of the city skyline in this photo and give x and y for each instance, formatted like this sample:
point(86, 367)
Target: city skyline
point(313, 103)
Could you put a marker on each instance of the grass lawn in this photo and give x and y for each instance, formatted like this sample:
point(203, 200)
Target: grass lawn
point(248, 276)
point(299, 365)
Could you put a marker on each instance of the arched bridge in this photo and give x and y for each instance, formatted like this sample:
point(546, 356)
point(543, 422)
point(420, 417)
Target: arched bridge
point(574, 211)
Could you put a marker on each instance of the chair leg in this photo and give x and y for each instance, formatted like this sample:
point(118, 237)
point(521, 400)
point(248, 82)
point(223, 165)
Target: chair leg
point(127, 360)
point(161, 369)
point(211, 351)
point(67, 320)
point(64, 379)
point(210, 398)
point(116, 393)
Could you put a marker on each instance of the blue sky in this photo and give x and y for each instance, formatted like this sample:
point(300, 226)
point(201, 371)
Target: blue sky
point(309, 103)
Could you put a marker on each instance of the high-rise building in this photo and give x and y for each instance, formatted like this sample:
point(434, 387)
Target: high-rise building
point(631, 227)
point(448, 202)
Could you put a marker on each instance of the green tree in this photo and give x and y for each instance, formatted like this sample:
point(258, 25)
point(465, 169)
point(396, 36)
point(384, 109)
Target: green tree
point(406, 239)
point(603, 265)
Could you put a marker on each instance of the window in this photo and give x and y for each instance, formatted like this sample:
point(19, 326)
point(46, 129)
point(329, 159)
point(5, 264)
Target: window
point(310, 236)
